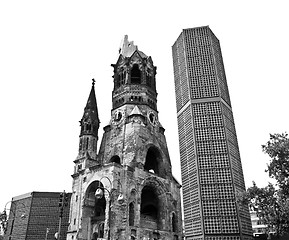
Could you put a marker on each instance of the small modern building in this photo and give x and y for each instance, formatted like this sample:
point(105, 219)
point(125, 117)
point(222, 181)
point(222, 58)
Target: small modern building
point(35, 216)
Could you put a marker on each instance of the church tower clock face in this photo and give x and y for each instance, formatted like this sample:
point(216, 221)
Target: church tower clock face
point(153, 119)
point(117, 117)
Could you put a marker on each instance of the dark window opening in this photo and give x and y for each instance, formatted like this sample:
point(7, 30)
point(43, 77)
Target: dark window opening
point(79, 167)
point(135, 74)
point(153, 159)
point(174, 223)
point(119, 79)
point(115, 159)
point(152, 117)
point(117, 82)
point(88, 127)
point(149, 80)
point(136, 99)
point(99, 209)
point(94, 129)
point(149, 203)
point(97, 204)
point(86, 145)
point(150, 210)
point(156, 236)
point(122, 78)
point(131, 214)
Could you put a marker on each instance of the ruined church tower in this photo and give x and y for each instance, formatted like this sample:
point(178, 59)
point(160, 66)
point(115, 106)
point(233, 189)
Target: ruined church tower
point(126, 189)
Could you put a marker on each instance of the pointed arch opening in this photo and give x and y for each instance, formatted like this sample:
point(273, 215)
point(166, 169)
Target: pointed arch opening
point(174, 223)
point(135, 75)
point(131, 214)
point(149, 208)
point(149, 79)
point(96, 206)
point(153, 161)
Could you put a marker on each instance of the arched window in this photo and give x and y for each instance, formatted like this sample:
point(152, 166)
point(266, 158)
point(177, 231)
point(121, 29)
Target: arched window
point(98, 204)
point(86, 144)
point(149, 208)
point(122, 78)
point(88, 126)
point(115, 159)
point(174, 223)
point(153, 160)
point(117, 81)
point(135, 75)
point(149, 80)
point(131, 214)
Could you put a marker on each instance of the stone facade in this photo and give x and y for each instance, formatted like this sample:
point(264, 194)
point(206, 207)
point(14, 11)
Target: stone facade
point(141, 199)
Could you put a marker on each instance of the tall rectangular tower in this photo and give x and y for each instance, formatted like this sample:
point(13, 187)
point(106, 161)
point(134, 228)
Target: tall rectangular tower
point(211, 168)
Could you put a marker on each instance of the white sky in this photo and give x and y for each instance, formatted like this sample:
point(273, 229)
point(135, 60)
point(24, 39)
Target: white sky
point(50, 51)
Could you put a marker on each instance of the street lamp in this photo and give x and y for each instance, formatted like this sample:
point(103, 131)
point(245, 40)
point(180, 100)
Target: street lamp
point(99, 195)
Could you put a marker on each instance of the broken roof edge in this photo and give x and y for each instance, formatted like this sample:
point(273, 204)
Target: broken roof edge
point(128, 48)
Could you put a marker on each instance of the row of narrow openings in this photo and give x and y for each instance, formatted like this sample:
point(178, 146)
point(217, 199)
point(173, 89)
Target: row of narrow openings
point(135, 77)
point(150, 210)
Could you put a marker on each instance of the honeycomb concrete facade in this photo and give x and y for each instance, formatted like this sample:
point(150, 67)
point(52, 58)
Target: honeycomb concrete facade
point(125, 190)
point(211, 167)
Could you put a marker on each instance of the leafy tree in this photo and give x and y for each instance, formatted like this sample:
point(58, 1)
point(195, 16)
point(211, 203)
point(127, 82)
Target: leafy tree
point(271, 207)
point(270, 203)
point(278, 150)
